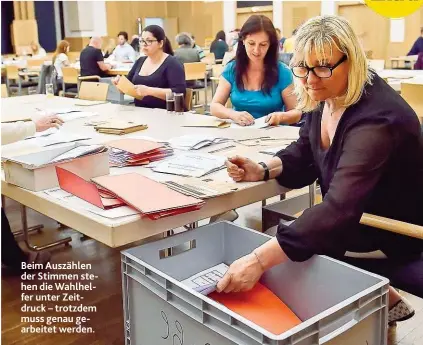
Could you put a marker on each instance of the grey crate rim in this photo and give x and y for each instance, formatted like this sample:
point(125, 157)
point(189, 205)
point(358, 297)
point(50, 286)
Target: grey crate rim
point(277, 337)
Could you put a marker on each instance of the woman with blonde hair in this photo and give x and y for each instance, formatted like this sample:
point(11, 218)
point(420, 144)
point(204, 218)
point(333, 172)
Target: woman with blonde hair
point(362, 142)
point(37, 50)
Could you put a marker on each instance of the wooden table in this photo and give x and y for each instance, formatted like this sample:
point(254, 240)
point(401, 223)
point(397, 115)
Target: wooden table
point(395, 77)
point(404, 59)
point(125, 230)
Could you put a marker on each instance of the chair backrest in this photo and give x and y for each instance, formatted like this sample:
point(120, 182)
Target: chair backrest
point(70, 75)
point(47, 75)
point(217, 70)
point(4, 92)
point(210, 59)
point(195, 70)
point(93, 91)
point(188, 99)
point(412, 93)
point(377, 65)
point(34, 62)
point(12, 72)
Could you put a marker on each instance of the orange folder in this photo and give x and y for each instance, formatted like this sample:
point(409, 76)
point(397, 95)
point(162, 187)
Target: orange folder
point(135, 146)
point(261, 306)
point(151, 198)
point(86, 190)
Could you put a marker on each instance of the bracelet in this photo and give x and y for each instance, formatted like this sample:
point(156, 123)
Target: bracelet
point(259, 261)
point(266, 171)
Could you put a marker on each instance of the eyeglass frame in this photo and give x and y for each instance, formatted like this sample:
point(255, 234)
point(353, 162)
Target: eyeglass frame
point(144, 42)
point(343, 59)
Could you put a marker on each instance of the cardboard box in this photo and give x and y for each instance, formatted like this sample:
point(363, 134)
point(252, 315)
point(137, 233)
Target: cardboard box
point(37, 174)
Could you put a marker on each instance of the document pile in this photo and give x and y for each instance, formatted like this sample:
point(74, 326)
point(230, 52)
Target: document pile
point(56, 137)
point(137, 190)
point(201, 189)
point(119, 127)
point(195, 142)
point(206, 121)
point(133, 152)
point(191, 164)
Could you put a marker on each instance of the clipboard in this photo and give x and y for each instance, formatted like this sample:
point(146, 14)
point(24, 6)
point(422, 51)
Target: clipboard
point(125, 85)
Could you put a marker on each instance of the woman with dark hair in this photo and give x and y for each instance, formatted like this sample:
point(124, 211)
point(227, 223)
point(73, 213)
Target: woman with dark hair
point(257, 84)
point(158, 72)
point(219, 46)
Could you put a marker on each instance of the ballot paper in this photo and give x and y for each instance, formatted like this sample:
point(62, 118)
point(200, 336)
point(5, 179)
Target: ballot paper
point(45, 133)
point(78, 203)
point(87, 103)
point(273, 150)
point(201, 189)
point(191, 164)
point(195, 142)
point(78, 151)
point(76, 115)
point(59, 137)
point(205, 282)
point(258, 124)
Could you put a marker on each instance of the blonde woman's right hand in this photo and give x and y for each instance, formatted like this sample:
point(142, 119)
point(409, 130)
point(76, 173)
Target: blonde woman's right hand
point(243, 118)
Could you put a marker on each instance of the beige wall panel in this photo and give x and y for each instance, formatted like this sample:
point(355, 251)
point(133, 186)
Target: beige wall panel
point(296, 13)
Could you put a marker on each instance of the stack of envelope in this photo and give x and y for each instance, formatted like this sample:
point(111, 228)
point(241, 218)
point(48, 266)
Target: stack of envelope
point(133, 152)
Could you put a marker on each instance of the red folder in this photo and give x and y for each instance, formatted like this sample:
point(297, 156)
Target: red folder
point(261, 306)
point(151, 198)
point(86, 190)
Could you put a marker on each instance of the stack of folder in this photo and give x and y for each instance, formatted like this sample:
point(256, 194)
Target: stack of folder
point(137, 190)
point(133, 152)
point(119, 127)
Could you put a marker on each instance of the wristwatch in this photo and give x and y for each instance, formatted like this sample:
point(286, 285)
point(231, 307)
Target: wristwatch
point(266, 171)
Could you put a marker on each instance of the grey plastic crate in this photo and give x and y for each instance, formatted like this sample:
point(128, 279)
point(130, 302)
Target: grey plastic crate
point(338, 303)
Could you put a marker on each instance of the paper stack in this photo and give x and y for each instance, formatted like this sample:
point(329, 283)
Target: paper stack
point(137, 191)
point(195, 142)
point(119, 127)
point(191, 164)
point(133, 152)
point(201, 189)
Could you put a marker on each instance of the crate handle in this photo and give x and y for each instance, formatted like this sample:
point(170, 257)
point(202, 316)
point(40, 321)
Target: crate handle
point(338, 331)
point(178, 249)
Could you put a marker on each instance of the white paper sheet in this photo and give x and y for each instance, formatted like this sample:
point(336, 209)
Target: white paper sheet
point(205, 281)
point(78, 152)
point(195, 142)
point(59, 138)
point(258, 123)
point(191, 164)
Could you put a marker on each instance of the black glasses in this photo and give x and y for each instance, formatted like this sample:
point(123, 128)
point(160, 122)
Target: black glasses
point(147, 42)
point(319, 71)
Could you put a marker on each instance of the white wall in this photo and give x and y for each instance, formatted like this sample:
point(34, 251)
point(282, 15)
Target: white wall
point(229, 15)
point(328, 7)
point(84, 18)
point(278, 14)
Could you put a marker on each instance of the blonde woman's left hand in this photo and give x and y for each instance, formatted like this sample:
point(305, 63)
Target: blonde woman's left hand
point(142, 90)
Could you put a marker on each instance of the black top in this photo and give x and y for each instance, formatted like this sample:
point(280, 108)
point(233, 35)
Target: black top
point(219, 48)
point(170, 75)
point(374, 165)
point(88, 60)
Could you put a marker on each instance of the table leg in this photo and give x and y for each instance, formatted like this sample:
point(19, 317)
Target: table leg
point(25, 231)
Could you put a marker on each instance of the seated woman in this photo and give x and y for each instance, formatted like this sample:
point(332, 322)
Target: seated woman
point(37, 50)
point(363, 143)
point(158, 72)
point(219, 46)
point(61, 59)
point(257, 84)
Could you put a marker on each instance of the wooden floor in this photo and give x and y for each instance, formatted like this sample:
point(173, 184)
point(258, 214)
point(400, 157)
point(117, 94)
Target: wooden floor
point(107, 297)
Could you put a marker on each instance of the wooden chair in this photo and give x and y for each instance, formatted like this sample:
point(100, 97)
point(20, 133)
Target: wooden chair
point(70, 76)
point(12, 73)
point(377, 65)
point(4, 91)
point(413, 94)
point(197, 71)
point(93, 91)
point(188, 99)
point(37, 63)
point(216, 73)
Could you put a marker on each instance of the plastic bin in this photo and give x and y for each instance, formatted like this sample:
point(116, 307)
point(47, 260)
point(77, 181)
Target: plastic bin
point(338, 303)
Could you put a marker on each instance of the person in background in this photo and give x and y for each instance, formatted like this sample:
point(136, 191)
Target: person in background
point(135, 43)
point(288, 45)
point(92, 60)
point(200, 50)
point(109, 48)
point(281, 39)
point(60, 57)
point(158, 72)
point(419, 63)
point(363, 143)
point(12, 255)
point(233, 40)
point(123, 51)
point(256, 82)
point(185, 53)
point(37, 50)
point(418, 45)
point(219, 46)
